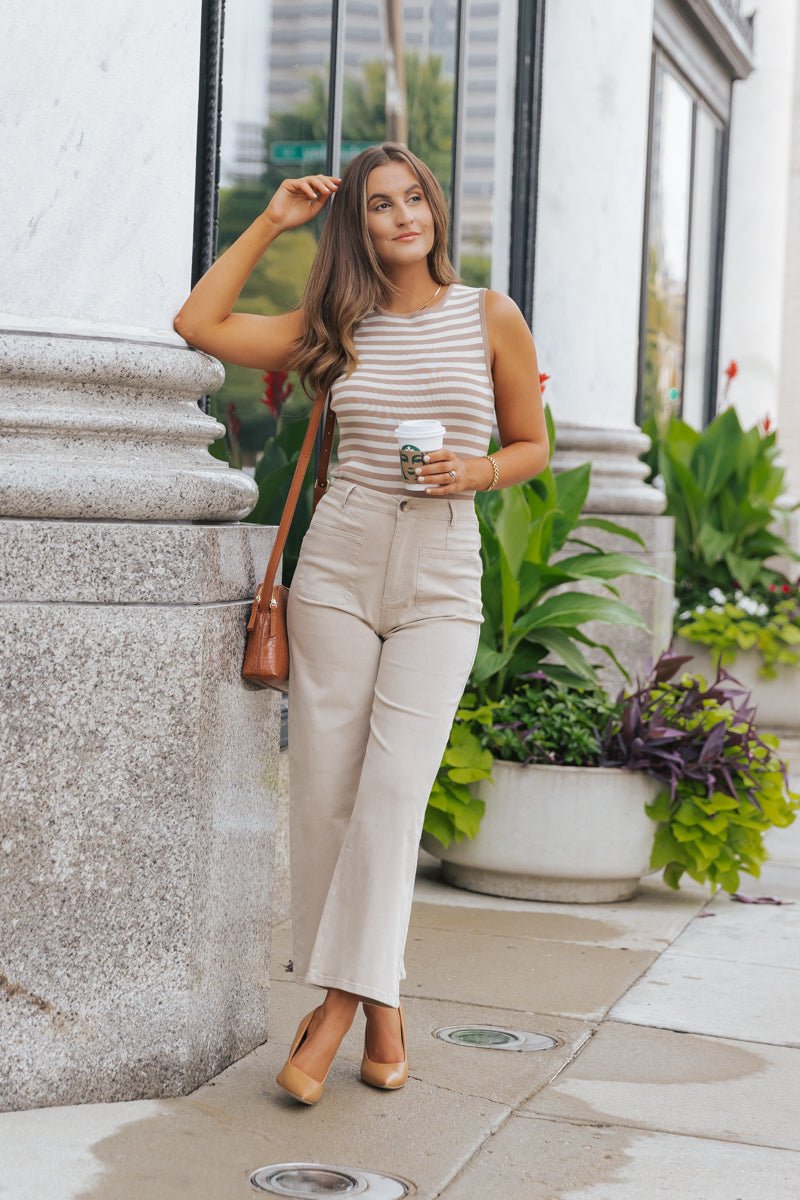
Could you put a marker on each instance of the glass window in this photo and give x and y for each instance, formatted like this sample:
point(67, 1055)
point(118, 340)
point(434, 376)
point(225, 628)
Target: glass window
point(699, 374)
point(274, 126)
point(682, 250)
point(487, 144)
point(667, 247)
point(398, 83)
point(399, 68)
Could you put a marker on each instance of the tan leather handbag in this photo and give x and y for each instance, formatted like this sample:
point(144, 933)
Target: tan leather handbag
point(266, 654)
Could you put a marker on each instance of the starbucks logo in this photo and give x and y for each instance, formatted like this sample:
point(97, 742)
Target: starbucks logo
point(410, 457)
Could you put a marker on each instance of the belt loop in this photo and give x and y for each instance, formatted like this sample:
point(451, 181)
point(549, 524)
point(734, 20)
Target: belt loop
point(452, 512)
point(347, 493)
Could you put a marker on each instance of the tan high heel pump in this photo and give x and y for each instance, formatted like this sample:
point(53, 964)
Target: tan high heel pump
point(387, 1075)
point(292, 1079)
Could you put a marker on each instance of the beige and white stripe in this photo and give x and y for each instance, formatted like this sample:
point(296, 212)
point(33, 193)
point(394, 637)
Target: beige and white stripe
point(434, 363)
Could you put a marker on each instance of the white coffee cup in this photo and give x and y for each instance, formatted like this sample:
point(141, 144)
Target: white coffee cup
point(414, 439)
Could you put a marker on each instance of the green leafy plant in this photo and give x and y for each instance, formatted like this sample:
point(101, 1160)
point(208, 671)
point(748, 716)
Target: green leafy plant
point(730, 625)
point(722, 487)
point(549, 722)
point(725, 785)
point(454, 811)
point(524, 528)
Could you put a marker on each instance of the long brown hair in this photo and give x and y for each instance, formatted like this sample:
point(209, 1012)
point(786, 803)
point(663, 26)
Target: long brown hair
point(347, 280)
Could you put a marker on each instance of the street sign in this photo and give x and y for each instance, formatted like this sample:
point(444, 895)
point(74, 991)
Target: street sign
point(304, 153)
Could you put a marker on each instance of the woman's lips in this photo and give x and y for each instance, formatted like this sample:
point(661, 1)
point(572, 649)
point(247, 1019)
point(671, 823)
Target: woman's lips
point(405, 237)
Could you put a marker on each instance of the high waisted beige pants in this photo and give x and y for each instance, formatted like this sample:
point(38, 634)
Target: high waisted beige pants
point(384, 616)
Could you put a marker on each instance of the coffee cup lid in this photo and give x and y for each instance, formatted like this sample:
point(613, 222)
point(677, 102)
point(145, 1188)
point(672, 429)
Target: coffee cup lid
point(419, 428)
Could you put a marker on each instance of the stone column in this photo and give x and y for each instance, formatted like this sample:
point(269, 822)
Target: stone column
point(137, 789)
point(760, 241)
point(592, 168)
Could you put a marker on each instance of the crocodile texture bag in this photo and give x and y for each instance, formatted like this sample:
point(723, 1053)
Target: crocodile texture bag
point(266, 654)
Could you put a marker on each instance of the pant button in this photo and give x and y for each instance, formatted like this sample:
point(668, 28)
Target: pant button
point(404, 505)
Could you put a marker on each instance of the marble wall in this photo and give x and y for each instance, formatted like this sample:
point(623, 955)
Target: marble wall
point(138, 771)
point(98, 209)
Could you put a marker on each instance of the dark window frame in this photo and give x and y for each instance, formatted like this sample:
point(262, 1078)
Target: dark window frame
point(527, 138)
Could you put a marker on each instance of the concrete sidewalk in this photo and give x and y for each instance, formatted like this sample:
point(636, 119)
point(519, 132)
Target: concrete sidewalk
point(676, 1074)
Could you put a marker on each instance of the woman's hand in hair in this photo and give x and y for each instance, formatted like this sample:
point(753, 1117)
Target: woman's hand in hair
point(298, 200)
point(207, 321)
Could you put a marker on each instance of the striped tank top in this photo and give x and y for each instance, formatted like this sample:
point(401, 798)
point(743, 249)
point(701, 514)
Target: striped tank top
point(434, 363)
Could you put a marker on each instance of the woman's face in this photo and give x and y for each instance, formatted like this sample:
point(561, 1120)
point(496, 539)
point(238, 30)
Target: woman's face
point(399, 218)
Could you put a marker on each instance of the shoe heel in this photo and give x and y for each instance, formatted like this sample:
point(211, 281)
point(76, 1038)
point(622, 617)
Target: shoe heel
point(292, 1079)
point(387, 1075)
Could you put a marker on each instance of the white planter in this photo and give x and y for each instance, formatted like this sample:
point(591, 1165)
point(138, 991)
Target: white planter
point(777, 700)
point(571, 834)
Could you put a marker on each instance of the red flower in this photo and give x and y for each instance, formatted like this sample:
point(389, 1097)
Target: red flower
point(732, 369)
point(773, 587)
point(785, 588)
point(542, 381)
point(277, 390)
point(766, 423)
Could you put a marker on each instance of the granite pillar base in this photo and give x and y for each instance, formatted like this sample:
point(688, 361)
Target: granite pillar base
point(137, 810)
point(109, 429)
point(618, 474)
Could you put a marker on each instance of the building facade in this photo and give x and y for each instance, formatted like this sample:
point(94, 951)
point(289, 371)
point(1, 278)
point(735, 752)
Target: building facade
point(626, 170)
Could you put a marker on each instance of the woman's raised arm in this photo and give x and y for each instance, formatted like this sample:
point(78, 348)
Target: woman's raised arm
point(205, 320)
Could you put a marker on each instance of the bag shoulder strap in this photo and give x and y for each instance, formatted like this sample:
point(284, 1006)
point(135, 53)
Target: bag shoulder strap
point(264, 594)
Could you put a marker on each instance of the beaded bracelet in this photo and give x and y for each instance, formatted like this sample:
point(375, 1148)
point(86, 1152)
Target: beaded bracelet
point(495, 472)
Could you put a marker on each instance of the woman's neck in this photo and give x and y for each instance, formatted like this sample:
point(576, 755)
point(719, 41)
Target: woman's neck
point(414, 288)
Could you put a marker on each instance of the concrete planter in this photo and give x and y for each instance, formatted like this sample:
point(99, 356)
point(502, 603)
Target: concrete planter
point(777, 700)
point(570, 834)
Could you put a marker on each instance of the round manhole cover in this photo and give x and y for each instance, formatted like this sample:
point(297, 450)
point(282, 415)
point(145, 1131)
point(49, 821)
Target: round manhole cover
point(495, 1037)
point(313, 1181)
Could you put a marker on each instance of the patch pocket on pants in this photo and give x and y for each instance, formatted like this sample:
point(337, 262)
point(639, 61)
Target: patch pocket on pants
point(328, 564)
point(449, 583)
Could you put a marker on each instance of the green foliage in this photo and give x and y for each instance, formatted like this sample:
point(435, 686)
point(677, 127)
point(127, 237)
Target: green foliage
point(712, 837)
point(453, 811)
point(722, 488)
point(476, 270)
point(742, 624)
point(522, 530)
point(549, 722)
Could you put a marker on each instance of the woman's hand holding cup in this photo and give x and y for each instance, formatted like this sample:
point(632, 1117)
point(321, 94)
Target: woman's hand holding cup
point(444, 473)
point(298, 200)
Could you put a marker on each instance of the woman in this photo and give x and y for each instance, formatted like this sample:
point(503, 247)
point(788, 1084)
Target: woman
point(385, 605)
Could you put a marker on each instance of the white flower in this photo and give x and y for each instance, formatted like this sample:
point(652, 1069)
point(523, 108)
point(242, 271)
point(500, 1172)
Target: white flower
point(700, 608)
point(717, 595)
